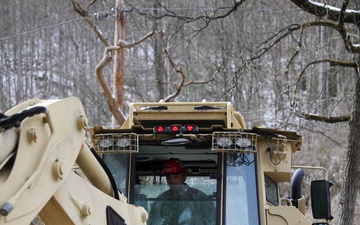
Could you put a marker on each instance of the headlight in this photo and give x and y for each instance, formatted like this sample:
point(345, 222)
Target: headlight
point(234, 142)
point(224, 142)
point(116, 143)
point(243, 143)
point(123, 142)
point(106, 143)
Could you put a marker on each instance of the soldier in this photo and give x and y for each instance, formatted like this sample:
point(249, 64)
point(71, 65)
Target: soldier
point(181, 204)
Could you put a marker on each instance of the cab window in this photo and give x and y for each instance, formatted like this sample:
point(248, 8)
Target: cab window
point(241, 190)
point(119, 167)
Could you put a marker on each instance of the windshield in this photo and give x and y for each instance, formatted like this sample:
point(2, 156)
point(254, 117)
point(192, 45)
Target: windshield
point(185, 195)
point(192, 196)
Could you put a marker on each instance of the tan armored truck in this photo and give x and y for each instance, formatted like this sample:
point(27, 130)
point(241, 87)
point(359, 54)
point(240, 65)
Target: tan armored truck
point(238, 171)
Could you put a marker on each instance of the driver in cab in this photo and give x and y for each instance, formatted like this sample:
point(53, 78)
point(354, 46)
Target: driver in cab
point(181, 204)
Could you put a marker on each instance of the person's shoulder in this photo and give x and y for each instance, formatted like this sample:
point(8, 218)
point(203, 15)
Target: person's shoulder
point(195, 190)
point(163, 195)
point(198, 193)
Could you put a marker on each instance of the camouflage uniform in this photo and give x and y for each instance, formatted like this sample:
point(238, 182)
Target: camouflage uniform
point(191, 207)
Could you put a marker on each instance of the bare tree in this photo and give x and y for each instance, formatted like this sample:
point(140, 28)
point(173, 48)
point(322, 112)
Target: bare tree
point(278, 73)
point(337, 19)
point(113, 103)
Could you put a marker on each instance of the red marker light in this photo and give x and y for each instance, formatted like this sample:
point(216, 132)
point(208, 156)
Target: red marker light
point(160, 129)
point(190, 128)
point(175, 128)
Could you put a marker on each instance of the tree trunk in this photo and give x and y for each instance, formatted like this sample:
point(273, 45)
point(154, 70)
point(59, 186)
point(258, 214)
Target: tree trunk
point(158, 55)
point(352, 173)
point(119, 58)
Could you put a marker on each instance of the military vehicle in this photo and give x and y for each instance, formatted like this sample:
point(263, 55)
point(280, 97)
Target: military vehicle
point(48, 166)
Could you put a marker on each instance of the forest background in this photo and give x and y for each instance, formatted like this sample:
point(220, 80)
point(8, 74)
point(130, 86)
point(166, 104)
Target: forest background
point(48, 51)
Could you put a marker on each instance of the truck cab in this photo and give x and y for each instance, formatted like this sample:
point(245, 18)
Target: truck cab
point(239, 169)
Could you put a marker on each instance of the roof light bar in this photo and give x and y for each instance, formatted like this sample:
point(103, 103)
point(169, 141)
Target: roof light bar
point(176, 129)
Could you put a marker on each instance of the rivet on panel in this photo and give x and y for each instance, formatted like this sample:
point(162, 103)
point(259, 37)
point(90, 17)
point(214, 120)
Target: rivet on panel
point(58, 169)
point(82, 121)
point(86, 209)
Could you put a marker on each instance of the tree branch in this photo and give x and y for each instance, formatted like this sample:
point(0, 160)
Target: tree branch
point(208, 16)
point(181, 83)
point(340, 29)
point(329, 12)
point(327, 119)
point(206, 81)
point(342, 12)
point(124, 44)
point(114, 108)
point(178, 70)
point(341, 16)
point(85, 14)
point(332, 62)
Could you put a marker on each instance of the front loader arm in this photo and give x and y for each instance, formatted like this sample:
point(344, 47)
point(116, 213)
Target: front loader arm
point(36, 170)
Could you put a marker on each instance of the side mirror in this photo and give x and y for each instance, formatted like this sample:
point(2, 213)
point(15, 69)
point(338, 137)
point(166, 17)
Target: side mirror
point(320, 199)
